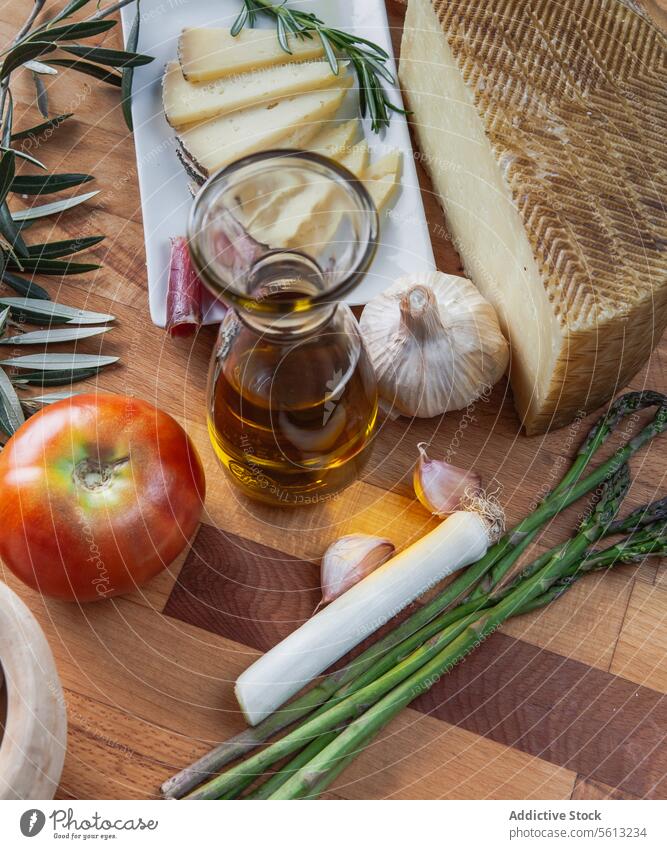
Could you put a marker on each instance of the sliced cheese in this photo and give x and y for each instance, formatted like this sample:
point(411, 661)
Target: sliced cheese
point(186, 103)
point(289, 224)
point(382, 178)
point(213, 52)
point(543, 126)
point(334, 141)
point(292, 121)
point(357, 159)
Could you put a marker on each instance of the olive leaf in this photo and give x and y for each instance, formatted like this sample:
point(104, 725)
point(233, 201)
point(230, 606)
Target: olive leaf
point(47, 337)
point(90, 69)
point(8, 226)
point(4, 315)
point(22, 53)
point(27, 288)
point(128, 72)
point(50, 398)
point(41, 95)
point(64, 247)
point(8, 120)
point(53, 378)
point(106, 56)
point(52, 208)
point(23, 155)
point(52, 123)
point(39, 265)
point(48, 184)
point(11, 414)
point(58, 362)
point(36, 311)
point(65, 12)
point(40, 68)
point(78, 29)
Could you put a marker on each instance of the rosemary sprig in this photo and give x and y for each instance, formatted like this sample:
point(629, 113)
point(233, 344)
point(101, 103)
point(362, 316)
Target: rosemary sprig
point(368, 59)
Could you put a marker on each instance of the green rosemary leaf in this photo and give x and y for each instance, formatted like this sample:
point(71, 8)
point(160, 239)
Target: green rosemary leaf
point(105, 56)
point(128, 72)
point(41, 95)
point(381, 69)
point(77, 29)
point(11, 414)
point(39, 265)
point(328, 51)
point(90, 69)
point(27, 288)
point(22, 53)
point(65, 247)
point(38, 185)
point(46, 337)
point(282, 35)
point(371, 44)
point(58, 362)
point(37, 311)
point(52, 208)
point(52, 123)
point(240, 22)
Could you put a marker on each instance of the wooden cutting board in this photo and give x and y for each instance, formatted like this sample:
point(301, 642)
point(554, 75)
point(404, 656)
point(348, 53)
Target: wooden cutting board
point(567, 702)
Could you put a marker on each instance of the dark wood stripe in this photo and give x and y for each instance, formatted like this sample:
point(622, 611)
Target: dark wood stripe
point(242, 590)
point(594, 790)
point(606, 729)
point(601, 726)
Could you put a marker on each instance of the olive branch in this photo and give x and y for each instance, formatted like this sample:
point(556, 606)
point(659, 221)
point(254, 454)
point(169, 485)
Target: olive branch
point(59, 40)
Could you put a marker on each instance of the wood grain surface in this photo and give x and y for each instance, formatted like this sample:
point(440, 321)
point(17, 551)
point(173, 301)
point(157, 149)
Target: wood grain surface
point(565, 702)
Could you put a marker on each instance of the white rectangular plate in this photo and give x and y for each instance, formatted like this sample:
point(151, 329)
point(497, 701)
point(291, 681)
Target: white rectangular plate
point(165, 198)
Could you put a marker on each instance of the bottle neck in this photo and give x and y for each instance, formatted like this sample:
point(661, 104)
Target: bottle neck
point(291, 325)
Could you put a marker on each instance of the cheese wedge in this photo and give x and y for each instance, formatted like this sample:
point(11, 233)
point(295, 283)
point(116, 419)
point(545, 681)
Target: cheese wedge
point(187, 103)
point(543, 126)
point(382, 178)
point(292, 121)
point(289, 224)
point(213, 52)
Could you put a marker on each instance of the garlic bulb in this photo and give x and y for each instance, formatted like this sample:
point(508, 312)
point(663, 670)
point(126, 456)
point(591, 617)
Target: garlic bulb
point(435, 343)
point(350, 559)
point(441, 487)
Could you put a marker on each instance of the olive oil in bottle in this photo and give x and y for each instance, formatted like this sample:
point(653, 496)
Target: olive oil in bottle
point(291, 418)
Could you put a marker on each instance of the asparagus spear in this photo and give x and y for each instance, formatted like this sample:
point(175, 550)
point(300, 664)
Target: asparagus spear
point(592, 529)
point(317, 774)
point(637, 547)
point(503, 555)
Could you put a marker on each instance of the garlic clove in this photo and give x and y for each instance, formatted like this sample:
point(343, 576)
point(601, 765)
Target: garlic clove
point(441, 487)
point(350, 559)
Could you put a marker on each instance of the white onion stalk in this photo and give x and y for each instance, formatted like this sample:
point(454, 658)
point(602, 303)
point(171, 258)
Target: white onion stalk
point(458, 541)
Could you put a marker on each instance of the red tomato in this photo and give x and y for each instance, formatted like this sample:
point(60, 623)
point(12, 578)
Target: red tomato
point(98, 493)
